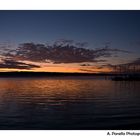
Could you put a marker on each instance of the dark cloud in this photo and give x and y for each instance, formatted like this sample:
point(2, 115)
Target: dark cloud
point(10, 64)
point(85, 65)
point(61, 52)
point(107, 65)
point(96, 61)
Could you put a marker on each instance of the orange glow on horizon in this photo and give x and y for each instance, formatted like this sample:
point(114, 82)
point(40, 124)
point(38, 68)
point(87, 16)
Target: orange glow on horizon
point(61, 69)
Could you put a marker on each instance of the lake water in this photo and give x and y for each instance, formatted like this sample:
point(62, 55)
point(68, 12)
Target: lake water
point(69, 103)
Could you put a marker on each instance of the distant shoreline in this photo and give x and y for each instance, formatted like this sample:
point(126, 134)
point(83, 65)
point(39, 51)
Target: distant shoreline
point(111, 76)
point(48, 74)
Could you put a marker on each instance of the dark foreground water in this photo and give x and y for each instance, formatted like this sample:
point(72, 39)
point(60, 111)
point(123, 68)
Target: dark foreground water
point(69, 103)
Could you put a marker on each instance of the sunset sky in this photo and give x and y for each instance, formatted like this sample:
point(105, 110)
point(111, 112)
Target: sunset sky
point(68, 41)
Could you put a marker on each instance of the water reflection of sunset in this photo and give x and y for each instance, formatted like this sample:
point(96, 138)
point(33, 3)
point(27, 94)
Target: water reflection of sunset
point(48, 89)
point(65, 102)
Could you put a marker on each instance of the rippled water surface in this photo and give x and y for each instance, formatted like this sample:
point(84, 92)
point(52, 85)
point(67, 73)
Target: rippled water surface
point(69, 103)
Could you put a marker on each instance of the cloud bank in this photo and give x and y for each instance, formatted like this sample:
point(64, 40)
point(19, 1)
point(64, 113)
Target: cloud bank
point(11, 64)
point(61, 53)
